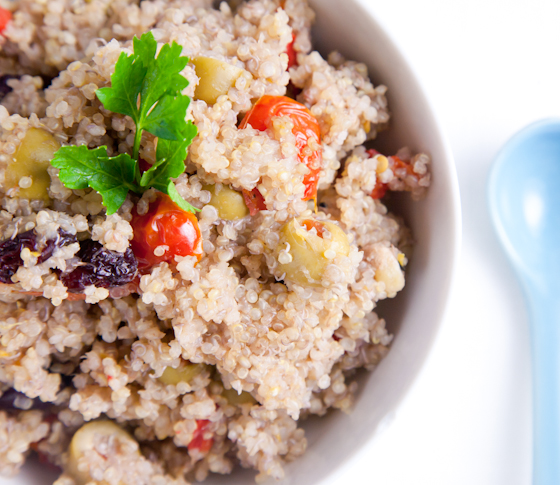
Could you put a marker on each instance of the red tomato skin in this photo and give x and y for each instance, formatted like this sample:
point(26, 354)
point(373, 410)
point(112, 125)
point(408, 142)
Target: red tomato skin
point(313, 224)
point(395, 163)
point(292, 54)
point(198, 442)
point(5, 17)
point(305, 128)
point(167, 224)
point(254, 201)
point(379, 190)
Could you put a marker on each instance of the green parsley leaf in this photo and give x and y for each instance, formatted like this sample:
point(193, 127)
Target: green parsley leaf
point(176, 197)
point(157, 121)
point(148, 89)
point(170, 164)
point(170, 160)
point(112, 177)
point(163, 77)
point(122, 96)
point(145, 48)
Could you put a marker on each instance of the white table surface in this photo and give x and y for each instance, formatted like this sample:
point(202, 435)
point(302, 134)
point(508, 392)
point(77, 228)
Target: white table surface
point(489, 67)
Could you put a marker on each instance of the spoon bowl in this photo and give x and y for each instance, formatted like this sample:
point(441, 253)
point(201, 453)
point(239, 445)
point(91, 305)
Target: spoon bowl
point(524, 200)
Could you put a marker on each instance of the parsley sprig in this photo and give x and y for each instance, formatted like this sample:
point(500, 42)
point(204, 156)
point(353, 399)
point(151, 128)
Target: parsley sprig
point(148, 89)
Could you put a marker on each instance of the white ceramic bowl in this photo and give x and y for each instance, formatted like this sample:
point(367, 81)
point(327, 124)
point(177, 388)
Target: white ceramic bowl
point(415, 315)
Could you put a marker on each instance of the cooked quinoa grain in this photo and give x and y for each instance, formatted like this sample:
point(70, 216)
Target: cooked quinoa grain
point(155, 345)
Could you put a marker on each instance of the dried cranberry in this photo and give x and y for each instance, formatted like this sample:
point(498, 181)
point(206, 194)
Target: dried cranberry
point(10, 250)
point(10, 259)
point(63, 238)
point(101, 267)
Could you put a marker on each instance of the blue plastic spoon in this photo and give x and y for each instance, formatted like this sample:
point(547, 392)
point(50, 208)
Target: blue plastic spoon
point(524, 199)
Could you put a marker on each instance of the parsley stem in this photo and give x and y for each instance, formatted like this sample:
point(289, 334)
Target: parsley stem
point(136, 152)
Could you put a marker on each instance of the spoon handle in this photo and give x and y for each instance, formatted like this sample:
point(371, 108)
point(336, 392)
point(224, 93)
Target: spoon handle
point(545, 309)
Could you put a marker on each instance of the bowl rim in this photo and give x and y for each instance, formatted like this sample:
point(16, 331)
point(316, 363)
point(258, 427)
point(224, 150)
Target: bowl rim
point(450, 179)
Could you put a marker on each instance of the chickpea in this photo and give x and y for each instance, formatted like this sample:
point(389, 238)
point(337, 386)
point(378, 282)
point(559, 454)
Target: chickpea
point(215, 78)
point(184, 373)
point(389, 271)
point(28, 172)
point(229, 203)
point(84, 441)
point(312, 247)
point(238, 399)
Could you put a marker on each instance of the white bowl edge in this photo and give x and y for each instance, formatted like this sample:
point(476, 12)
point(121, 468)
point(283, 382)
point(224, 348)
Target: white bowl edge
point(435, 223)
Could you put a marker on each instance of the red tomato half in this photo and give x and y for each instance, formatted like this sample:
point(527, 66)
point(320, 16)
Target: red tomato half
point(165, 224)
point(306, 129)
point(5, 17)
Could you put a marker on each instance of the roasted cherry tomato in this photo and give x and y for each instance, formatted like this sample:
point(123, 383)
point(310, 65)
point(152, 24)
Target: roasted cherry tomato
point(313, 224)
point(395, 164)
point(198, 441)
point(5, 17)
point(292, 55)
point(380, 188)
point(379, 191)
point(164, 232)
point(254, 201)
point(306, 129)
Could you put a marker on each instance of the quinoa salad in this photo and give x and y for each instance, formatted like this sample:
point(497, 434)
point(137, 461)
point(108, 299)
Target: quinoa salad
point(193, 236)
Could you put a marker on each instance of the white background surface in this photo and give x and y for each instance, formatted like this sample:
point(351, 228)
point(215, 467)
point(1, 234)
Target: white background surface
point(489, 67)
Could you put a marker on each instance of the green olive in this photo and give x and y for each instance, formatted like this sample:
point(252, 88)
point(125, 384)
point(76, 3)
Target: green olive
point(215, 78)
point(28, 172)
point(84, 441)
point(229, 203)
point(236, 399)
point(312, 247)
point(184, 373)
